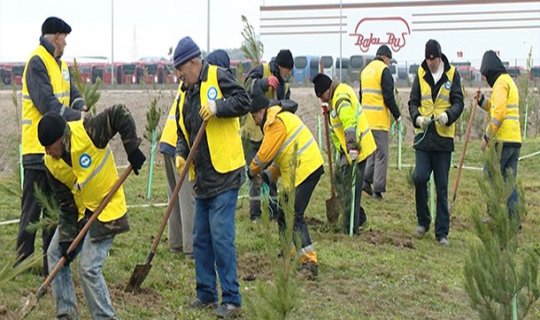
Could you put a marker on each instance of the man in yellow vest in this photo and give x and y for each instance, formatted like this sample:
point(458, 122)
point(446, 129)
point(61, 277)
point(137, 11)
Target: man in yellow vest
point(284, 133)
point(81, 171)
point(212, 94)
point(351, 137)
point(46, 87)
point(377, 98)
point(181, 220)
point(271, 80)
point(435, 103)
point(503, 109)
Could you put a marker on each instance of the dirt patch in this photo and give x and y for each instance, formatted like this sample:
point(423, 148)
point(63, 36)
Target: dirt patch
point(252, 266)
point(377, 237)
point(142, 297)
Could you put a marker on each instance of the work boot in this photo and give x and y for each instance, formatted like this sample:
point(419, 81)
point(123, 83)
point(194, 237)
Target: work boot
point(444, 242)
point(377, 195)
point(309, 271)
point(366, 187)
point(228, 311)
point(199, 304)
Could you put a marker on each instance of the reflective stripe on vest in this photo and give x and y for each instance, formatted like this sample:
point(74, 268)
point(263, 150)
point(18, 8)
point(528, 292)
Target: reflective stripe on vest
point(363, 132)
point(60, 82)
point(430, 109)
point(377, 113)
point(169, 134)
point(222, 134)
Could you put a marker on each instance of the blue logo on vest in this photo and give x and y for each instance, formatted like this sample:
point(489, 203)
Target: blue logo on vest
point(85, 160)
point(212, 93)
point(448, 84)
point(333, 113)
point(65, 74)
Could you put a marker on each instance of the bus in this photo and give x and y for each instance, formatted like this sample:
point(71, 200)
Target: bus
point(327, 66)
point(344, 68)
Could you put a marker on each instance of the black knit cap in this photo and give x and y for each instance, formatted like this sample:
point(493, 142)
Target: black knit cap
point(384, 51)
point(433, 49)
point(285, 59)
point(322, 83)
point(50, 128)
point(53, 25)
point(258, 102)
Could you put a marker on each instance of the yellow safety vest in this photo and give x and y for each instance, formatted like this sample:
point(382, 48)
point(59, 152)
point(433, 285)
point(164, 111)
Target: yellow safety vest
point(59, 77)
point(376, 111)
point(308, 155)
point(169, 134)
point(509, 129)
point(93, 174)
point(222, 134)
point(429, 109)
point(363, 132)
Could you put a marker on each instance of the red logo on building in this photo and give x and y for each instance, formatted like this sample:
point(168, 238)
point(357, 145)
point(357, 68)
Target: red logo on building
point(378, 31)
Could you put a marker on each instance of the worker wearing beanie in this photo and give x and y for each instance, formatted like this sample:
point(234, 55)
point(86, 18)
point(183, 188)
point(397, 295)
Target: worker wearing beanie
point(212, 94)
point(435, 104)
point(285, 134)
point(81, 172)
point(503, 126)
point(351, 137)
point(272, 80)
point(180, 224)
point(46, 87)
point(377, 98)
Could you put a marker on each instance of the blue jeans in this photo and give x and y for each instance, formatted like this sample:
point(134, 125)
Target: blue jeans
point(439, 163)
point(214, 249)
point(92, 256)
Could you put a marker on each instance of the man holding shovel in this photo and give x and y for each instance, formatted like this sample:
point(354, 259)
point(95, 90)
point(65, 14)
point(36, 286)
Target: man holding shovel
point(212, 94)
point(435, 104)
point(81, 171)
point(351, 137)
point(282, 131)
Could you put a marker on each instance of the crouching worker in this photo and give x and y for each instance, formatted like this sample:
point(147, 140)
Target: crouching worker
point(283, 130)
point(81, 171)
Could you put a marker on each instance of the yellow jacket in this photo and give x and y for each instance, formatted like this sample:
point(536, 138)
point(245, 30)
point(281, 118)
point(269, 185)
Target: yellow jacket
point(377, 113)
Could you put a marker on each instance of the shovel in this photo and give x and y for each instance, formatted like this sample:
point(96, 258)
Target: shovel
point(332, 204)
point(31, 303)
point(141, 270)
point(463, 151)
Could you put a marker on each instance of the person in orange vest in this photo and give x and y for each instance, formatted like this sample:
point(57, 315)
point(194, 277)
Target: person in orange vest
point(81, 171)
point(435, 104)
point(285, 134)
point(212, 94)
point(46, 87)
point(377, 98)
point(503, 109)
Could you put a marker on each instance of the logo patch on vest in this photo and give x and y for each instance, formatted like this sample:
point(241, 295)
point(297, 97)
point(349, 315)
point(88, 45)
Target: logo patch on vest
point(65, 74)
point(85, 160)
point(448, 85)
point(333, 113)
point(211, 93)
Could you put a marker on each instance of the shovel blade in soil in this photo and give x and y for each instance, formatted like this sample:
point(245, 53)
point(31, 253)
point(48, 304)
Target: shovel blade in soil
point(138, 276)
point(332, 210)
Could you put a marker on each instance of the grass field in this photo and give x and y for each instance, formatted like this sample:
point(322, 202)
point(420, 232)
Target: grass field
point(385, 273)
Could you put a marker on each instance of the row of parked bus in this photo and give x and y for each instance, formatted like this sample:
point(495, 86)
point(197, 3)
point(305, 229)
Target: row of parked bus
point(160, 72)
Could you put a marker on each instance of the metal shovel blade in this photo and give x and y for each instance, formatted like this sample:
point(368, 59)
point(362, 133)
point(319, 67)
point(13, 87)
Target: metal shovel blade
point(138, 276)
point(332, 209)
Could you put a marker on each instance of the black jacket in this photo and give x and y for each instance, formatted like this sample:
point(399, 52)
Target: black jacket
point(101, 128)
point(41, 92)
point(387, 85)
point(235, 103)
point(432, 141)
point(255, 82)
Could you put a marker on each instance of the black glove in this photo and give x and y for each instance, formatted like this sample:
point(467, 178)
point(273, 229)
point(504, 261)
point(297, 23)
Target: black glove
point(265, 175)
point(250, 177)
point(64, 245)
point(136, 158)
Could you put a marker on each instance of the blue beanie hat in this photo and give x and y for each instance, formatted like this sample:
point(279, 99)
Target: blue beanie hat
point(186, 49)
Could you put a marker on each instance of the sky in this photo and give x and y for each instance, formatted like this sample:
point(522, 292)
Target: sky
point(141, 28)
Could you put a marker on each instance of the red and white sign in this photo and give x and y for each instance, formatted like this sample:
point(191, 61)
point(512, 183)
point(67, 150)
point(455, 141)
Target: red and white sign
point(391, 31)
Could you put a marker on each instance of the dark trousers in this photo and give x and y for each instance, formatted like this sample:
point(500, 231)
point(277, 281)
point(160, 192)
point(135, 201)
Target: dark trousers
point(509, 163)
point(377, 163)
point(302, 196)
point(359, 213)
point(255, 187)
point(437, 162)
point(31, 213)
